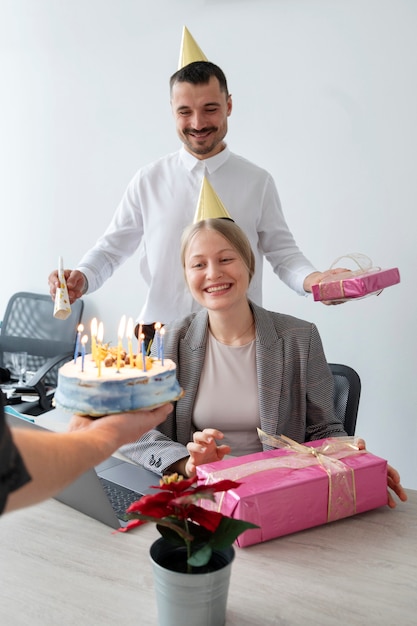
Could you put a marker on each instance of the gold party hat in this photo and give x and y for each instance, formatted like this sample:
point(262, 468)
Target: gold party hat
point(190, 51)
point(209, 204)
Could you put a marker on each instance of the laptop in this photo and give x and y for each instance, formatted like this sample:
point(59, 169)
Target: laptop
point(104, 492)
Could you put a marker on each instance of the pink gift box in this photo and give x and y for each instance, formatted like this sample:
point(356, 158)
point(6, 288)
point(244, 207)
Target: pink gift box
point(346, 286)
point(284, 500)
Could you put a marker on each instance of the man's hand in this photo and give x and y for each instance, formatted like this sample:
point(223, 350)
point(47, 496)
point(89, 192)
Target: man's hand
point(122, 428)
point(317, 277)
point(76, 284)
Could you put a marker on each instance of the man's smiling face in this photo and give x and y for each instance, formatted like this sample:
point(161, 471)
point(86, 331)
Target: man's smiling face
point(201, 113)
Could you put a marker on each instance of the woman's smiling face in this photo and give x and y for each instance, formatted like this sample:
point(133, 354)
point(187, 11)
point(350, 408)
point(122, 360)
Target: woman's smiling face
point(216, 274)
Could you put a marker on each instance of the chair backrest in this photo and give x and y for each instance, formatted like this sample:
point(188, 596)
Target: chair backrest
point(347, 391)
point(29, 325)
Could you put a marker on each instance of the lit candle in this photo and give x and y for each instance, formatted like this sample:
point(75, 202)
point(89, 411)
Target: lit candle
point(161, 347)
point(93, 337)
point(158, 343)
point(120, 335)
point(139, 345)
point(129, 333)
point(100, 334)
point(83, 342)
point(80, 329)
point(142, 343)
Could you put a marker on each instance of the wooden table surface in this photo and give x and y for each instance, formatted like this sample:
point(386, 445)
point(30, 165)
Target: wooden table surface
point(59, 567)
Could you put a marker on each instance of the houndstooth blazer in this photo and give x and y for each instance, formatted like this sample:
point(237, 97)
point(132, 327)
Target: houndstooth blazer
point(295, 385)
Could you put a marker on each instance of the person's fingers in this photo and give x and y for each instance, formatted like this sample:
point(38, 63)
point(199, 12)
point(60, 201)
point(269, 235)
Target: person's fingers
point(207, 436)
point(196, 448)
point(394, 484)
point(222, 451)
point(53, 282)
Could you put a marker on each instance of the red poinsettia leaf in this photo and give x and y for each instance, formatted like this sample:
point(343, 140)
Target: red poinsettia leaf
point(208, 519)
point(221, 485)
point(132, 524)
point(156, 505)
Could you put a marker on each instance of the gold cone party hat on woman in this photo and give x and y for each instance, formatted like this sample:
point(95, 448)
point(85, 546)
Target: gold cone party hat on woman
point(190, 51)
point(209, 204)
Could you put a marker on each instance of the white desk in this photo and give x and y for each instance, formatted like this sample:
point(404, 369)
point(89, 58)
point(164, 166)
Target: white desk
point(61, 568)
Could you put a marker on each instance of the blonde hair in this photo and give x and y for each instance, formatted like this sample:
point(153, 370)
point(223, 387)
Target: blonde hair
point(227, 229)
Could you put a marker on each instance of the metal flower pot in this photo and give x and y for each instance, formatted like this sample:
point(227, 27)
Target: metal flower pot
point(196, 599)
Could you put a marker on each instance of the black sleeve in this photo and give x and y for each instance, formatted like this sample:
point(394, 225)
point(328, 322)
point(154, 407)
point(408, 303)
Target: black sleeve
point(13, 473)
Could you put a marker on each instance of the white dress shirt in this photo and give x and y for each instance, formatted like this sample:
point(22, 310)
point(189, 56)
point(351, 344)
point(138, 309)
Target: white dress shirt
point(161, 200)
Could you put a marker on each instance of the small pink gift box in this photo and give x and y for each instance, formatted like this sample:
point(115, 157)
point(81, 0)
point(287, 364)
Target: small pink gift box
point(355, 284)
point(284, 491)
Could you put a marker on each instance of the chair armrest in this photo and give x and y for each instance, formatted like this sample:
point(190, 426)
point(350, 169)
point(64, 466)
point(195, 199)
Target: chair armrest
point(36, 383)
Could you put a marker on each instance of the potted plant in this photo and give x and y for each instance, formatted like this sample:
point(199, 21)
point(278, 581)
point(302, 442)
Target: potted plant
point(192, 559)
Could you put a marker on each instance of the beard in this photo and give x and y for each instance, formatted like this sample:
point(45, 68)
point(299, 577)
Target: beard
point(190, 137)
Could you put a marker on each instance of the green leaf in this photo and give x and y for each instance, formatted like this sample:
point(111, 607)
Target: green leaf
point(200, 557)
point(227, 532)
point(171, 535)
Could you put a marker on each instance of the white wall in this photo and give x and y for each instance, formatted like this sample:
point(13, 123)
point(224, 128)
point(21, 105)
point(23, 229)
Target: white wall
point(324, 97)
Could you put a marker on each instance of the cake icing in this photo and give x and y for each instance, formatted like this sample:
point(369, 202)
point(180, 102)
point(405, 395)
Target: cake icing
point(115, 390)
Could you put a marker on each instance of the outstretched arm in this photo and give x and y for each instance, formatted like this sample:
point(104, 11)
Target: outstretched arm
point(54, 460)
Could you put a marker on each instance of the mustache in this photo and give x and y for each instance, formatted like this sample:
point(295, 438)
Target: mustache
point(201, 131)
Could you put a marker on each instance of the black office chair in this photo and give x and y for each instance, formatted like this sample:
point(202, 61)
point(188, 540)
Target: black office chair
point(29, 326)
point(347, 392)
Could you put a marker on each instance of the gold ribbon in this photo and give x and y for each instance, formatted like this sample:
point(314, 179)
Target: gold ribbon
point(341, 478)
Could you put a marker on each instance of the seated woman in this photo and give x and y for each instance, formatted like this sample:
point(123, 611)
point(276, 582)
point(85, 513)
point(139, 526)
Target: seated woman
point(241, 366)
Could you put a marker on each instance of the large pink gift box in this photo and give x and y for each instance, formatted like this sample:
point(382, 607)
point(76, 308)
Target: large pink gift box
point(284, 491)
point(356, 284)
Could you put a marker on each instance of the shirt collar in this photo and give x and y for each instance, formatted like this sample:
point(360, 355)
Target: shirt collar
point(211, 164)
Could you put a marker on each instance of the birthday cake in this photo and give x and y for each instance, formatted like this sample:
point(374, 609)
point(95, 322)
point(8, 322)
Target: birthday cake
point(86, 387)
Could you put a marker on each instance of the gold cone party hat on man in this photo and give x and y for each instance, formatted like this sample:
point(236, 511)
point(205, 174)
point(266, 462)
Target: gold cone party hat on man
point(190, 51)
point(209, 204)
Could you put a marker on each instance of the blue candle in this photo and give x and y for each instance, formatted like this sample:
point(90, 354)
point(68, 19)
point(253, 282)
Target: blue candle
point(83, 342)
point(80, 329)
point(157, 340)
point(142, 341)
point(161, 344)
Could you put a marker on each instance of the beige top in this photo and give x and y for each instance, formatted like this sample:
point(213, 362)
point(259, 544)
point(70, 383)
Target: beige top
point(227, 397)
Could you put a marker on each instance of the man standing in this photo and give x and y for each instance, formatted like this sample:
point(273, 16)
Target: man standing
point(161, 198)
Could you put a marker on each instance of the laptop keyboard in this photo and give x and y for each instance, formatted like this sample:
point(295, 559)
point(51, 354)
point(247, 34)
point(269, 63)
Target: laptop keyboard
point(120, 497)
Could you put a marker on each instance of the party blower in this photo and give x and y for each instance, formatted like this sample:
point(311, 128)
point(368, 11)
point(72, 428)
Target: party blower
point(62, 308)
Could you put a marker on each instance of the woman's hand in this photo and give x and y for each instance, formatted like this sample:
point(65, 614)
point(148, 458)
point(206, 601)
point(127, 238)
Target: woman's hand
point(393, 481)
point(204, 449)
